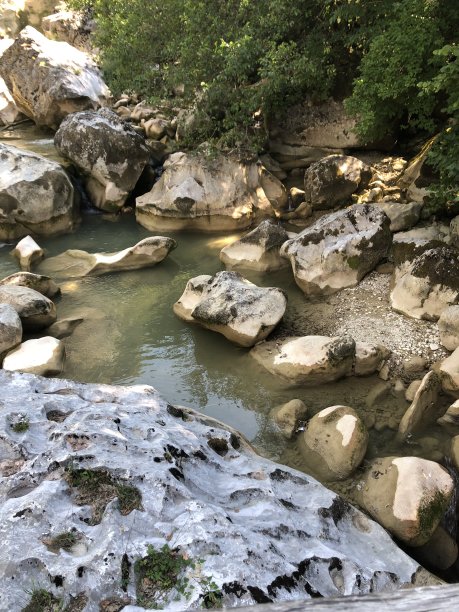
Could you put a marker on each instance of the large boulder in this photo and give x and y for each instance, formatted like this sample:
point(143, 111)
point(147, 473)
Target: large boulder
point(412, 243)
point(10, 328)
point(333, 179)
point(35, 310)
point(198, 192)
point(43, 356)
point(188, 483)
point(229, 304)
point(339, 249)
point(38, 282)
point(49, 80)
point(146, 253)
point(71, 27)
point(307, 360)
point(335, 442)
point(407, 495)
point(257, 250)
point(36, 195)
point(110, 153)
point(402, 215)
point(427, 285)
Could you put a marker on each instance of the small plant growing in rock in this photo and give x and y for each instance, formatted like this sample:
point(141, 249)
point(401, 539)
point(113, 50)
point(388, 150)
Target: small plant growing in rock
point(65, 541)
point(21, 425)
point(42, 600)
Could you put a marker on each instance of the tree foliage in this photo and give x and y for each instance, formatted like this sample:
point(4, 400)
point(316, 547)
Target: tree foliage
point(241, 61)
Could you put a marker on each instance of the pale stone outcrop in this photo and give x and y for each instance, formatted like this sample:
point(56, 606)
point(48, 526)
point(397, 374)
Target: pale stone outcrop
point(196, 192)
point(428, 285)
point(425, 408)
point(42, 284)
point(402, 215)
point(412, 243)
point(231, 305)
point(49, 80)
point(339, 249)
point(74, 263)
point(71, 27)
point(407, 495)
point(36, 195)
point(9, 112)
point(35, 310)
point(44, 356)
point(257, 250)
point(448, 325)
point(10, 329)
point(448, 370)
point(335, 442)
point(333, 179)
point(28, 252)
point(107, 150)
point(369, 358)
point(287, 417)
point(249, 520)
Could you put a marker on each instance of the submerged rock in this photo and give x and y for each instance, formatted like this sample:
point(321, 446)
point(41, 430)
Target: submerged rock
point(35, 310)
point(339, 249)
point(73, 263)
point(257, 250)
point(44, 356)
point(424, 288)
point(42, 284)
point(231, 305)
point(333, 180)
point(196, 192)
point(50, 79)
point(253, 525)
point(407, 495)
point(36, 195)
point(107, 150)
point(335, 442)
point(63, 328)
point(288, 416)
point(10, 329)
point(28, 252)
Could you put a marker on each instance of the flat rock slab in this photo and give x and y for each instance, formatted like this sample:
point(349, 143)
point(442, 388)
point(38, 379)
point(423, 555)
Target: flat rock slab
point(255, 525)
point(231, 305)
point(75, 263)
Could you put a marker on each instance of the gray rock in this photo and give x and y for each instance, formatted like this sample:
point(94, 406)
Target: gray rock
point(369, 358)
point(257, 250)
point(63, 328)
point(428, 285)
point(42, 284)
point(50, 79)
point(230, 305)
point(424, 409)
point(10, 328)
point(36, 195)
point(43, 356)
point(448, 370)
point(250, 520)
point(402, 215)
point(451, 416)
point(9, 112)
point(448, 325)
point(339, 249)
point(288, 416)
point(35, 310)
point(410, 244)
point(71, 27)
point(108, 151)
point(333, 179)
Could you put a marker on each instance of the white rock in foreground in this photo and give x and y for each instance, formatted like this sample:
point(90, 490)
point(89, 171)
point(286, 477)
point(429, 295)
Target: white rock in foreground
point(73, 263)
point(28, 252)
point(231, 305)
point(43, 356)
point(36, 195)
point(255, 524)
point(339, 249)
point(407, 495)
point(50, 79)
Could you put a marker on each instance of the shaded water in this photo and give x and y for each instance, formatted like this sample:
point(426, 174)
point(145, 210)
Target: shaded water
point(130, 336)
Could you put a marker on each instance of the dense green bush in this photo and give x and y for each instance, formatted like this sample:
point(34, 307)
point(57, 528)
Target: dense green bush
point(240, 61)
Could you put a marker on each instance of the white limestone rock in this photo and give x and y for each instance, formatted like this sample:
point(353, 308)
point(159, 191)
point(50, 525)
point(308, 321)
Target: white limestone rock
point(402, 215)
point(49, 80)
point(250, 520)
point(10, 329)
point(36, 195)
point(407, 495)
point(448, 325)
point(9, 112)
point(425, 408)
point(38, 282)
point(257, 250)
point(111, 155)
point(428, 285)
point(28, 252)
point(333, 179)
point(44, 356)
point(231, 305)
point(75, 263)
point(336, 440)
point(339, 249)
point(196, 192)
point(369, 358)
point(35, 310)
